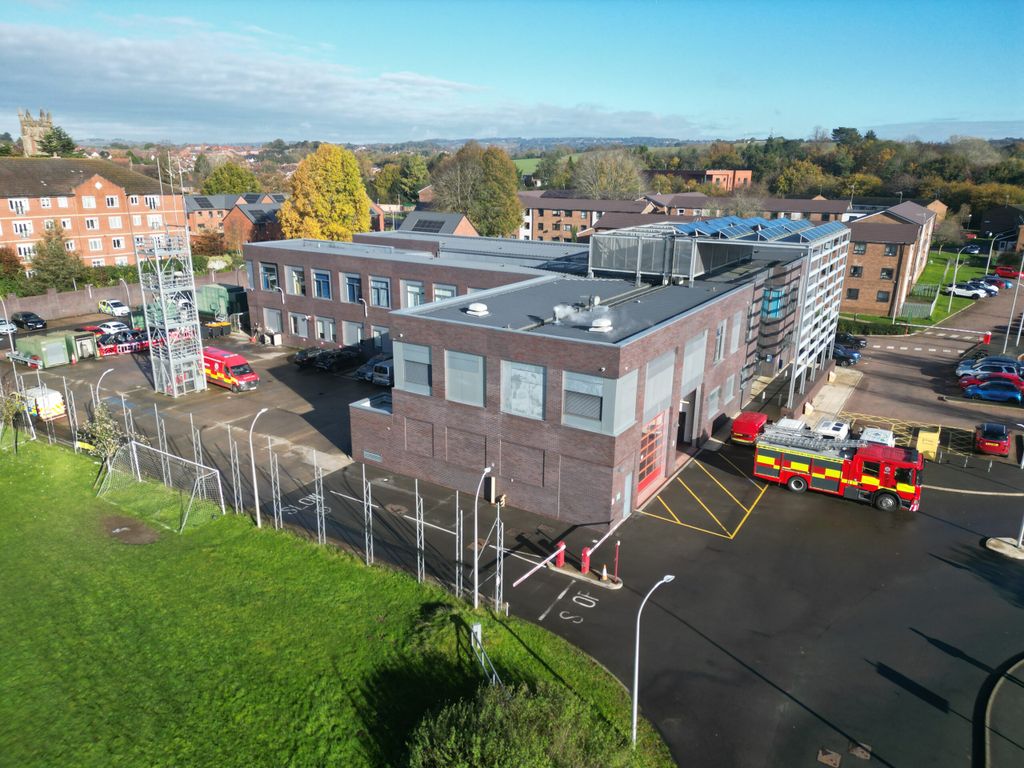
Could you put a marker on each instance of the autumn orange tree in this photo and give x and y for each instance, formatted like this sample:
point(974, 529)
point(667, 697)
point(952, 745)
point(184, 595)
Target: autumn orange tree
point(328, 200)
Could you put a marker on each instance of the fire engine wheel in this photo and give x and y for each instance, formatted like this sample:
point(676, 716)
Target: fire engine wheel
point(886, 502)
point(796, 484)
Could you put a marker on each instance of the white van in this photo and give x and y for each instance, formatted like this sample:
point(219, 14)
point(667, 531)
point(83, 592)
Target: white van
point(384, 373)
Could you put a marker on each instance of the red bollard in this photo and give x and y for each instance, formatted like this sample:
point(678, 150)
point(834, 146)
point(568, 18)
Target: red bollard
point(560, 557)
point(987, 338)
point(585, 561)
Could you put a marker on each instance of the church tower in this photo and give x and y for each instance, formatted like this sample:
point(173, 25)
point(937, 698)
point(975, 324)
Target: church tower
point(33, 129)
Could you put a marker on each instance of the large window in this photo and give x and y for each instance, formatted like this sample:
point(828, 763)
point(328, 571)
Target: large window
point(860, 248)
point(268, 276)
point(414, 294)
point(412, 368)
point(729, 393)
point(321, 284)
point(583, 400)
point(353, 288)
point(299, 324)
point(351, 333)
point(522, 389)
point(464, 378)
point(380, 291)
point(853, 294)
point(442, 291)
point(719, 342)
point(772, 303)
point(272, 320)
point(295, 281)
point(886, 273)
point(882, 296)
point(713, 406)
point(856, 271)
point(890, 249)
point(381, 338)
point(737, 325)
point(326, 330)
point(248, 274)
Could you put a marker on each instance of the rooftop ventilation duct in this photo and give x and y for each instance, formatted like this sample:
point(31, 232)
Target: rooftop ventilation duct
point(477, 309)
point(601, 325)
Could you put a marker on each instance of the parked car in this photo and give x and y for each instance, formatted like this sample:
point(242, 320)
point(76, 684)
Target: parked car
point(28, 320)
point(365, 371)
point(1005, 271)
point(89, 329)
point(962, 289)
point(988, 288)
point(967, 366)
point(114, 307)
point(992, 438)
point(747, 426)
point(336, 359)
point(6, 326)
point(982, 376)
point(305, 358)
point(844, 355)
point(973, 248)
point(999, 282)
point(850, 341)
point(384, 373)
point(995, 391)
point(112, 326)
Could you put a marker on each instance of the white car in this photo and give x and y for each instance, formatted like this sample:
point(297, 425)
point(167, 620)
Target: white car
point(6, 326)
point(963, 290)
point(112, 326)
point(114, 307)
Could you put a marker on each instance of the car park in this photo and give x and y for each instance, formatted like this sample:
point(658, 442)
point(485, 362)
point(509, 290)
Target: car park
point(992, 439)
point(850, 341)
point(982, 376)
point(365, 371)
point(305, 358)
point(28, 320)
point(1005, 271)
point(998, 281)
point(988, 288)
point(114, 307)
point(994, 391)
point(844, 355)
point(112, 326)
point(964, 290)
point(6, 326)
point(973, 366)
point(336, 359)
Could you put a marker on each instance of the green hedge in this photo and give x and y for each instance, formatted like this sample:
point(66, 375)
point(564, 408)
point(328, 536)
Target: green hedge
point(864, 328)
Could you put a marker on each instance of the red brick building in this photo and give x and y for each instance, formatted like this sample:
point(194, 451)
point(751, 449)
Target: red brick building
point(554, 217)
point(101, 207)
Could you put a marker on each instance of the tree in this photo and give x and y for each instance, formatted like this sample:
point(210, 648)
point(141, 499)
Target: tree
point(12, 274)
point(201, 169)
point(457, 178)
point(230, 179)
point(949, 232)
point(56, 141)
point(53, 266)
point(608, 175)
point(495, 211)
point(517, 727)
point(6, 150)
point(414, 176)
point(847, 137)
point(387, 183)
point(801, 177)
point(328, 198)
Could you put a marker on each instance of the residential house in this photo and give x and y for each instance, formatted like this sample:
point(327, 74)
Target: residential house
point(1006, 223)
point(437, 223)
point(727, 181)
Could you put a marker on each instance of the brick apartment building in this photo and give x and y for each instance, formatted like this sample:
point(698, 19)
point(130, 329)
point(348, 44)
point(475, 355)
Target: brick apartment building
point(553, 216)
point(723, 180)
point(206, 213)
point(586, 392)
point(816, 210)
point(889, 253)
point(251, 222)
point(101, 207)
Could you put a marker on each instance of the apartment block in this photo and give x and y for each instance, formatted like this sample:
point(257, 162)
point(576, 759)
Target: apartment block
point(102, 208)
point(553, 217)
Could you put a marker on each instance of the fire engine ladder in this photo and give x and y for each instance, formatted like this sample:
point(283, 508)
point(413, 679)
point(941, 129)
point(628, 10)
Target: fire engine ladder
point(791, 439)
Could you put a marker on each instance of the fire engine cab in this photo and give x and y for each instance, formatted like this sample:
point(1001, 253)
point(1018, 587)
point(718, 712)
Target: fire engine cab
point(889, 478)
point(229, 369)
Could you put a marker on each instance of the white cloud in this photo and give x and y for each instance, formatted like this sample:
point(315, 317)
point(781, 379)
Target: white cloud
point(195, 84)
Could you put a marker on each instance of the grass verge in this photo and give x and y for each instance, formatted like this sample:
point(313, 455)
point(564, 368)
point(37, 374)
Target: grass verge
point(230, 646)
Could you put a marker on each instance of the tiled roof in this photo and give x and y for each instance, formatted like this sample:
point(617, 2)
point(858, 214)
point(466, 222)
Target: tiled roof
point(912, 212)
point(876, 232)
point(46, 176)
point(431, 222)
point(582, 204)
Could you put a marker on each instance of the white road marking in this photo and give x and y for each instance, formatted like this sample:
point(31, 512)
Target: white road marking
point(553, 604)
point(890, 347)
point(917, 349)
point(932, 349)
point(970, 493)
point(902, 349)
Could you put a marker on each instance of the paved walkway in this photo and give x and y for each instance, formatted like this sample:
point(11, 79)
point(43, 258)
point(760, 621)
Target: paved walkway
point(1004, 720)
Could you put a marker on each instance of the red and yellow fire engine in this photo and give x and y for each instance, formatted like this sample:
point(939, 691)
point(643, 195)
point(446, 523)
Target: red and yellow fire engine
point(888, 478)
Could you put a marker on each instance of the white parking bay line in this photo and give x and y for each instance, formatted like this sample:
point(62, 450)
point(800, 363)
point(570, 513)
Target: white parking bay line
point(890, 347)
point(932, 349)
point(917, 349)
point(902, 349)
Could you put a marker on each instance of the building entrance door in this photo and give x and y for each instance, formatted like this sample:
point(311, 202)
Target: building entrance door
point(652, 453)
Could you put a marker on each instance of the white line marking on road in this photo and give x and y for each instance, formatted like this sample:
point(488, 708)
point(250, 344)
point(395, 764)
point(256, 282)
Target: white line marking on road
point(932, 349)
point(902, 349)
point(890, 347)
point(917, 349)
point(970, 493)
point(548, 609)
point(942, 334)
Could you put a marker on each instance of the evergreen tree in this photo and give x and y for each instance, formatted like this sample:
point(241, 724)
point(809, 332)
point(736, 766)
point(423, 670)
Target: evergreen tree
point(56, 141)
point(53, 266)
point(230, 179)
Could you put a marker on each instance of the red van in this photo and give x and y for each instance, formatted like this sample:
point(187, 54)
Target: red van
point(229, 370)
point(747, 426)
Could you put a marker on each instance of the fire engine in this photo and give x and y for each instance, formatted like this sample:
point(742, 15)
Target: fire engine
point(889, 478)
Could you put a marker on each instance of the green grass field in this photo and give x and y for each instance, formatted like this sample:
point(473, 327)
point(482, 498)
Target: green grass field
point(526, 164)
point(229, 646)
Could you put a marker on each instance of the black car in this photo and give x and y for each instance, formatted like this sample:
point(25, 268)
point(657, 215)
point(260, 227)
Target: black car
point(29, 320)
point(849, 340)
point(845, 355)
point(304, 358)
point(336, 359)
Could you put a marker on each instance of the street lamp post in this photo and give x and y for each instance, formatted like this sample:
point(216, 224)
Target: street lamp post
point(949, 307)
point(99, 382)
point(127, 293)
point(476, 538)
point(7, 319)
point(636, 656)
point(1013, 306)
point(252, 462)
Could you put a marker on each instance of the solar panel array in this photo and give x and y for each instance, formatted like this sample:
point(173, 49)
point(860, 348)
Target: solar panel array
point(432, 226)
point(203, 202)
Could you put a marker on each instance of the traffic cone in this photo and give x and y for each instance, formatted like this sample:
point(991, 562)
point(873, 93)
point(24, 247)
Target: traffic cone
point(604, 573)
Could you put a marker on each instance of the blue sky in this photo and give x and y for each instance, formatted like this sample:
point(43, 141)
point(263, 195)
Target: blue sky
point(220, 71)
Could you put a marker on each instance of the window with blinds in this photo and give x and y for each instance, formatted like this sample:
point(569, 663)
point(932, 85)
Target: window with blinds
point(658, 385)
point(464, 378)
point(412, 368)
point(583, 400)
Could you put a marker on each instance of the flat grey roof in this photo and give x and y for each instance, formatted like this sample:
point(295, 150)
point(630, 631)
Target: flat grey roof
point(388, 253)
point(564, 307)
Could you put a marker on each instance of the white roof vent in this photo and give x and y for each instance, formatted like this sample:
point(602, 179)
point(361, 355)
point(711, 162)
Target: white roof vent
point(477, 309)
point(601, 325)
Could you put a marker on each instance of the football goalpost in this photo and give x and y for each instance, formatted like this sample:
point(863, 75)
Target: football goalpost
point(136, 465)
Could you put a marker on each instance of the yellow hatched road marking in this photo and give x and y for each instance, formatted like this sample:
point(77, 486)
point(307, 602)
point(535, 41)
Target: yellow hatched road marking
point(686, 525)
point(669, 509)
point(695, 496)
point(715, 480)
point(758, 499)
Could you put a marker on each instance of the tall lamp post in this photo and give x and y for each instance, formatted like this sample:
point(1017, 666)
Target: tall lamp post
point(7, 319)
point(127, 293)
point(636, 656)
point(476, 538)
point(949, 307)
point(1013, 306)
point(99, 382)
point(252, 462)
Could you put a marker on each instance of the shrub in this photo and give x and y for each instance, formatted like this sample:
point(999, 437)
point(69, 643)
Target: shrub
point(872, 328)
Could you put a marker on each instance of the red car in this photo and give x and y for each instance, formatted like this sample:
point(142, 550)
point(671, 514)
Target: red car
point(1010, 272)
point(993, 439)
point(981, 378)
point(90, 328)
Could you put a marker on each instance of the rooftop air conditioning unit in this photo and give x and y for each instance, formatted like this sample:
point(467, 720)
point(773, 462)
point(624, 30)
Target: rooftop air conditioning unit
point(477, 309)
point(601, 325)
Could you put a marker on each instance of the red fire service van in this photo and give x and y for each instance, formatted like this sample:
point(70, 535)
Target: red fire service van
point(888, 478)
point(229, 370)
